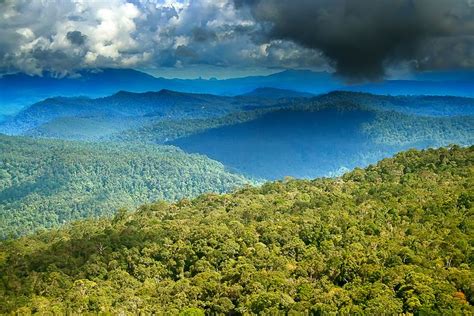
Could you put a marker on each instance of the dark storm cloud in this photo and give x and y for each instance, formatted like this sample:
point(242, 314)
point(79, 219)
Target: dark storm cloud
point(76, 37)
point(362, 37)
point(185, 52)
point(56, 58)
point(201, 34)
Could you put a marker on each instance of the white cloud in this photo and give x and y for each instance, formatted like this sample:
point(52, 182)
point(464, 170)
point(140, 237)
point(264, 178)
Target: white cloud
point(26, 32)
point(36, 35)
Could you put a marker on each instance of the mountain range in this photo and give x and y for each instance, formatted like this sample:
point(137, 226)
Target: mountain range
point(20, 90)
point(127, 109)
point(268, 133)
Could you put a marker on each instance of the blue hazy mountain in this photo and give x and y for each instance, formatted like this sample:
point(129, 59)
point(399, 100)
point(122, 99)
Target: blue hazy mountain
point(87, 118)
point(275, 93)
point(19, 90)
point(124, 109)
point(463, 88)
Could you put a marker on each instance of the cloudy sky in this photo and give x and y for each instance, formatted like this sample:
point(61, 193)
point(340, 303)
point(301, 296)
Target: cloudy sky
point(358, 39)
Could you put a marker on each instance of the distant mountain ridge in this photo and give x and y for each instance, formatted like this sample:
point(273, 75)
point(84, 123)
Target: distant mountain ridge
point(275, 93)
point(426, 105)
point(268, 133)
point(20, 90)
point(132, 106)
point(87, 118)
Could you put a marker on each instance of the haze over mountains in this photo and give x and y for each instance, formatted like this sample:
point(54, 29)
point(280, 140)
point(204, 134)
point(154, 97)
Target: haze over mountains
point(267, 133)
point(137, 108)
point(20, 90)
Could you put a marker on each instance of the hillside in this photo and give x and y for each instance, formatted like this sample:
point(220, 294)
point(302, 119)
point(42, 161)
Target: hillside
point(162, 131)
point(87, 128)
point(393, 238)
point(320, 136)
point(319, 140)
point(48, 183)
point(130, 108)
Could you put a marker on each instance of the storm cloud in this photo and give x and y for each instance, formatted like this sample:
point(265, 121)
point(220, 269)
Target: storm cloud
point(362, 38)
point(76, 37)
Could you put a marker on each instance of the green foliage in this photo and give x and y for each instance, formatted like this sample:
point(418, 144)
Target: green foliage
point(392, 128)
point(86, 128)
point(45, 183)
point(394, 238)
point(420, 105)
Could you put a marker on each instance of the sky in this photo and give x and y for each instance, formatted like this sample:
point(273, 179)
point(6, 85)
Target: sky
point(360, 40)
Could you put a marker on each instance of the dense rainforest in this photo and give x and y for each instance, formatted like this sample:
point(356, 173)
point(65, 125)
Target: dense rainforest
point(45, 183)
point(396, 237)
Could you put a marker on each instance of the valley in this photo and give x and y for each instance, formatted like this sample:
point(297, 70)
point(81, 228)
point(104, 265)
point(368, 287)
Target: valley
point(308, 143)
point(76, 158)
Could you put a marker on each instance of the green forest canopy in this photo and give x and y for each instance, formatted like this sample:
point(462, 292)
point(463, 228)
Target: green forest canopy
point(396, 237)
point(45, 183)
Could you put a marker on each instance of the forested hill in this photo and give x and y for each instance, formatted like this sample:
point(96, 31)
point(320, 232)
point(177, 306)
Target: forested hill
point(83, 118)
point(128, 106)
point(423, 105)
point(46, 183)
point(393, 238)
